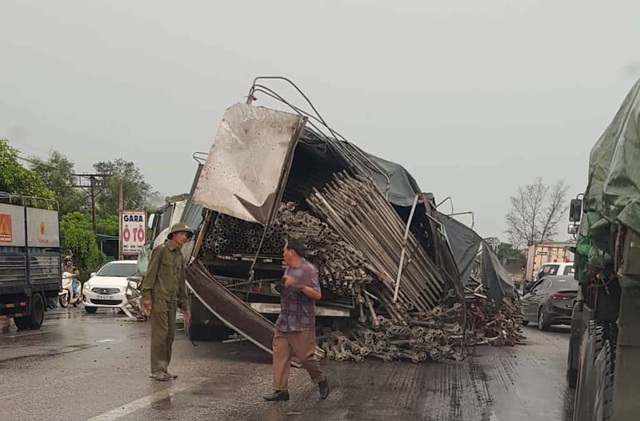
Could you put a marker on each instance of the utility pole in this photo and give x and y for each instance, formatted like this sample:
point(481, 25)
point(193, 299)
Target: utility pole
point(120, 209)
point(93, 184)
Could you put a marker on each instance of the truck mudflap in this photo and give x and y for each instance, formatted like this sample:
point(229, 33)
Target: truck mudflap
point(231, 310)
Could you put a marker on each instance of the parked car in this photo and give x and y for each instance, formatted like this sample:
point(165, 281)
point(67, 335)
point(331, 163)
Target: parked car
point(107, 288)
point(550, 302)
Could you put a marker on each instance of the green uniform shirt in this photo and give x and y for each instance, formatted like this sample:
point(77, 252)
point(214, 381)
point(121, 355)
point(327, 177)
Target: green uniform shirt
point(166, 276)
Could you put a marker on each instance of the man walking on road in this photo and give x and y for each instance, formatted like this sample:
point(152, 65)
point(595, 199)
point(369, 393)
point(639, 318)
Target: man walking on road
point(295, 327)
point(163, 291)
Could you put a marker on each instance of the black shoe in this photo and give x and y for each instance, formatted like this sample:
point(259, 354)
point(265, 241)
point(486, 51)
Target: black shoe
point(324, 389)
point(278, 396)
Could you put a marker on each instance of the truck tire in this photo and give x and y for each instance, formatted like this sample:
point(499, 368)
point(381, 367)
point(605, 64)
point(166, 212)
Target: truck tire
point(573, 356)
point(196, 331)
point(572, 366)
point(22, 323)
point(606, 334)
point(36, 314)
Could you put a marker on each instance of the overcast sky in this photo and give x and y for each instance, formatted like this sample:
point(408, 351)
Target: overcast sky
point(473, 97)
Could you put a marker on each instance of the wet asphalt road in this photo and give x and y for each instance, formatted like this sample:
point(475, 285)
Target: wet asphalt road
point(81, 367)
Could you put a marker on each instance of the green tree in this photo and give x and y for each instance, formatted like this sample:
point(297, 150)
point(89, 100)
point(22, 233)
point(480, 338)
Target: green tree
point(136, 191)
point(507, 251)
point(57, 172)
point(77, 236)
point(108, 225)
point(16, 179)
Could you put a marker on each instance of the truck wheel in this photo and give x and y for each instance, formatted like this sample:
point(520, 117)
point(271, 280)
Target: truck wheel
point(572, 366)
point(22, 323)
point(196, 331)
point(36, 314)
point(37, 311)
point(605, 335)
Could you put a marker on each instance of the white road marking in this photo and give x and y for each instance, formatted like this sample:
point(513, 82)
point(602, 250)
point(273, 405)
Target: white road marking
point(147, 400)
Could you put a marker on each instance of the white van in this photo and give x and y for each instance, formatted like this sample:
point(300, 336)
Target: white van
point(559, 269)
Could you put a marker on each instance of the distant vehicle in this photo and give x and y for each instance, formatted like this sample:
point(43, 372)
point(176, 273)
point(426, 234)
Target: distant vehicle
point(550, 302)
point(165, 216)
point(558, 269)
point(71, 290)
point(107, 288)
point(541, 254)
point(551, 269)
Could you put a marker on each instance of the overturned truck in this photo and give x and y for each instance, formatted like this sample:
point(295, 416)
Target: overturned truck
point(391, 285)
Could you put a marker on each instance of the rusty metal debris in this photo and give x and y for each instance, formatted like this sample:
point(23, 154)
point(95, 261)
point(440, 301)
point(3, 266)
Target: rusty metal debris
point(435, 335)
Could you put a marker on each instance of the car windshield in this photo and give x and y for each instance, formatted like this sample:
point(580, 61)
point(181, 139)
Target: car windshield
point(121, 270)
point(569, 270)
point(564, 285)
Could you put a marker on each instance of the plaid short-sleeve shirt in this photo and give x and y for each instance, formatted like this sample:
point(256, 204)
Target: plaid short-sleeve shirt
point(297, 311)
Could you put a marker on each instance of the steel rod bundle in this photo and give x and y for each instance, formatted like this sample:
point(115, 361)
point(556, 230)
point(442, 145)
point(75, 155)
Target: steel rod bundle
point(342, 268)
point(232, 236)
point(359, 213)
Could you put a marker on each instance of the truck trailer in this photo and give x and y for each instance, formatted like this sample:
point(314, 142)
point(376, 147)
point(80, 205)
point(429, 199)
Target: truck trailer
point(604, 349)
point(30, 266)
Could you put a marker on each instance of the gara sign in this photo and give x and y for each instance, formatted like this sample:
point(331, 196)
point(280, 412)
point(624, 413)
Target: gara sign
point(133, 231)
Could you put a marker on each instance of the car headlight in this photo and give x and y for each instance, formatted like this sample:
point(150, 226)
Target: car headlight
point(87, 285)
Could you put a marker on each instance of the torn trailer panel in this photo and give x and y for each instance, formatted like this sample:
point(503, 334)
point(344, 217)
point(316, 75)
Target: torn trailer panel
point(248, 162)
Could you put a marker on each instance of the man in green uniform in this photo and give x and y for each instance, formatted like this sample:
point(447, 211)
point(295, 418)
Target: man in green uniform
point(163, 291)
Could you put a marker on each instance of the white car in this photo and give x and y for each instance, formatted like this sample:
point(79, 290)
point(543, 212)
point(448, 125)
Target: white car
point(107, 288)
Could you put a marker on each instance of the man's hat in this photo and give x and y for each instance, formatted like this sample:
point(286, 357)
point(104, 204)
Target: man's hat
point(180, 227)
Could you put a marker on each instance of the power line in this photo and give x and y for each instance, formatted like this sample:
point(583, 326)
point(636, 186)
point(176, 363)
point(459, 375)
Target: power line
point(92, 184)
point(35, 162)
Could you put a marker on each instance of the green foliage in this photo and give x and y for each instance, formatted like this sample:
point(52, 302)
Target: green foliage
point(507, 251)
point(108, 225)
point(57, 173)
point(136, 191)
point(16, 179)
point(77, 237)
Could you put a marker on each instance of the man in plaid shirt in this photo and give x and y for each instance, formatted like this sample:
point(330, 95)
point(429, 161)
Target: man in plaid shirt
point(295, 328)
